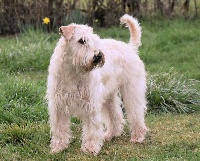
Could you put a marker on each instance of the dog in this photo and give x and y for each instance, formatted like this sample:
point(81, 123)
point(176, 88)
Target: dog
point(85, 76)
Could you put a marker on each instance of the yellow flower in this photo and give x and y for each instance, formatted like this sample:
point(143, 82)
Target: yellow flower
point(46, 20)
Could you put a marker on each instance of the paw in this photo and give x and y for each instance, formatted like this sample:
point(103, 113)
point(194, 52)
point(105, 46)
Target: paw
point(139, 135)
point(57, 146)
point(108, 136)
point(92, 148)
point(138, 139)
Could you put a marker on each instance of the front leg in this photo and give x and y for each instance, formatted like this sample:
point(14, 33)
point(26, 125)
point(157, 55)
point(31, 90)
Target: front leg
point(59, 127)
point(93, 136)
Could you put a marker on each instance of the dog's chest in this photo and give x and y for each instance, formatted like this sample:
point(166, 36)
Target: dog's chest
point(75, 92)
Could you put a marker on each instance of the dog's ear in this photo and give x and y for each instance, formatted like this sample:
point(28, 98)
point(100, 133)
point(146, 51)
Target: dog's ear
point(67, 31)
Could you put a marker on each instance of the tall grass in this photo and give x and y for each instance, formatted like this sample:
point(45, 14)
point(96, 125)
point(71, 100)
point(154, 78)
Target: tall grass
point(172, 92)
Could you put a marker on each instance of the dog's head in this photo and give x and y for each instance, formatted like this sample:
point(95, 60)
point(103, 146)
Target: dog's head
point(81, 46)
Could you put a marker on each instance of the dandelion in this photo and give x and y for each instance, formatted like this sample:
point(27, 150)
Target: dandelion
point(46, 20)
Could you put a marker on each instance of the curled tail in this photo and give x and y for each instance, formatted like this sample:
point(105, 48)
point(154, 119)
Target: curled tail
point(134, 28)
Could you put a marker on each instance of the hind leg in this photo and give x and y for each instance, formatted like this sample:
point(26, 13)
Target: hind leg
point(113, 117)
point(135, 106)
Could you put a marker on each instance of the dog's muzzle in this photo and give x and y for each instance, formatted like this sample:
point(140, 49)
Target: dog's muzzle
point(98, 61)
point(98, 58)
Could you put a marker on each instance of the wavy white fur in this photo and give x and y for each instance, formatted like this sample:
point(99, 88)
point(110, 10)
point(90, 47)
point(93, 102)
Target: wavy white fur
point(79, 87)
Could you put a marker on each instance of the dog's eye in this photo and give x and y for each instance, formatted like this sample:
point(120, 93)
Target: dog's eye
point(82, 41)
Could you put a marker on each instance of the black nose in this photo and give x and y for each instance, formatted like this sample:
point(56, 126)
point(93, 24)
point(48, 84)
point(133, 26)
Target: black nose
point(97, 58)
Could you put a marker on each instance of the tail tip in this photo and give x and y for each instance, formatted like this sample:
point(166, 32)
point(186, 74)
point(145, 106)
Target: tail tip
point(134, 27)
point(126, 18)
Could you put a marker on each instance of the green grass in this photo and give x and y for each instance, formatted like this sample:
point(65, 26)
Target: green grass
point(21, 99)
point(28, 52)
point(170, 51)
point(172, 44)
point(30, 141)
point(172, 92)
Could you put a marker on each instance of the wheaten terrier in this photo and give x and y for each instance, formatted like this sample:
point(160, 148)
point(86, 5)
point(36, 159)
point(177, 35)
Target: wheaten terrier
point(86, 75)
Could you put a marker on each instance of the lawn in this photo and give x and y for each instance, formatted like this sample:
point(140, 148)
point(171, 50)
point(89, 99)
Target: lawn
point(170, 52)
point(172, 137)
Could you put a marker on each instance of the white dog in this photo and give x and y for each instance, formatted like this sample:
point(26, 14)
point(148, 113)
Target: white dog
point(86, 74)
